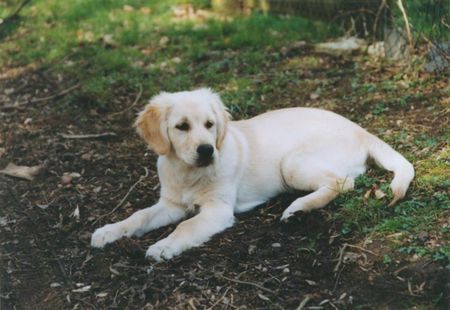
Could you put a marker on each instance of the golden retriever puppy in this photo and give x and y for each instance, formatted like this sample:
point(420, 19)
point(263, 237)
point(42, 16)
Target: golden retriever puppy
point(214, 167)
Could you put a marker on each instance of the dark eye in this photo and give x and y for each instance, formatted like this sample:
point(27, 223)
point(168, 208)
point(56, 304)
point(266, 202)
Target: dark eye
point(209, 124)
point(183, 126)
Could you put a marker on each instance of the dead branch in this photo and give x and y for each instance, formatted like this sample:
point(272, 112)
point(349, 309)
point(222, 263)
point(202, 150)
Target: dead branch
point(382, 6)
point(141, 178)
point(305, 300)
point(136, 100)
point(362, 249)
point(219, 300)
point(341, 257)
point(246, 283)
point(34, 100)
point(405, 17)
point(90, 136)
point(63, 92)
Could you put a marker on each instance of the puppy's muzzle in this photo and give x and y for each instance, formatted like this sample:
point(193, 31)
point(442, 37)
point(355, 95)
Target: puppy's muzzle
point(205, 155)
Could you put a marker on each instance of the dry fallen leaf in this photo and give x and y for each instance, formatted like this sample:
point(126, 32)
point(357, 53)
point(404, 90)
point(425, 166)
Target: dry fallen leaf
point(76, 213)
point(109, 41)
point(311, 282)
point(379, 194)
point(128, 8)
point(22, 172)
point(2, 151)
point(367, 194)
point(145, 10)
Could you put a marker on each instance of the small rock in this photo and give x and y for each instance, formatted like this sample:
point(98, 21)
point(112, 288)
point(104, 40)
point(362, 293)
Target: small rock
point(438, 57)
point(395, 44)
point(66, 179)
point(276, 245)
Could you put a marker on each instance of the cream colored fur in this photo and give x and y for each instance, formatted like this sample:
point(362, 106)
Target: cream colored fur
point(253, 160)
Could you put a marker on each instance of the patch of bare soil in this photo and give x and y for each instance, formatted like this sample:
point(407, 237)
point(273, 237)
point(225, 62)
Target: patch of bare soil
point(45, 227)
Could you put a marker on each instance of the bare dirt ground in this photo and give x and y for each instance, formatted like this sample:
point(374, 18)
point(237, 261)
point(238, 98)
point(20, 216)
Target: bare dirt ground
point(47, 263)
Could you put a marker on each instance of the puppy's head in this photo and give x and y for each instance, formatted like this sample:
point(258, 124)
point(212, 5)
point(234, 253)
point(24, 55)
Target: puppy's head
point(190, 125)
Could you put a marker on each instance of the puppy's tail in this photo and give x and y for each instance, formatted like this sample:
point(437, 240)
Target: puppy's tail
point(386, 157)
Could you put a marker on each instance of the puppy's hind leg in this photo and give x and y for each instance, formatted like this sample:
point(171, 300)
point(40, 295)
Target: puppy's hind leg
point(308, 174)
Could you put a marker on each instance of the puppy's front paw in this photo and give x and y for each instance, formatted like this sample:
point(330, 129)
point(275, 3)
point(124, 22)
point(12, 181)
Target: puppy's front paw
point(163, 249)
point(106, 234)
point(286, 215)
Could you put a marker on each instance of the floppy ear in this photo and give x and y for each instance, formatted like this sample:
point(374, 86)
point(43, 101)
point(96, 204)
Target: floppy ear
point(151, 125)
point(222, 116)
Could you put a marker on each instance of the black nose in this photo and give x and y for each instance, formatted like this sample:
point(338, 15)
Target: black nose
point(205, 150)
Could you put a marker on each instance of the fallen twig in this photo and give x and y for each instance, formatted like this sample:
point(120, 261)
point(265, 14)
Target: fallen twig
point(67, 280)
point(304, 302)
point(219, 300)
point(141, 178)
point(91, 136)
point(341, 257)
point(362, 249)
point(34, 100)
point(85, 302)
point(63, 92)
point(136, 100)
point(13, 106)
point(247, 283)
